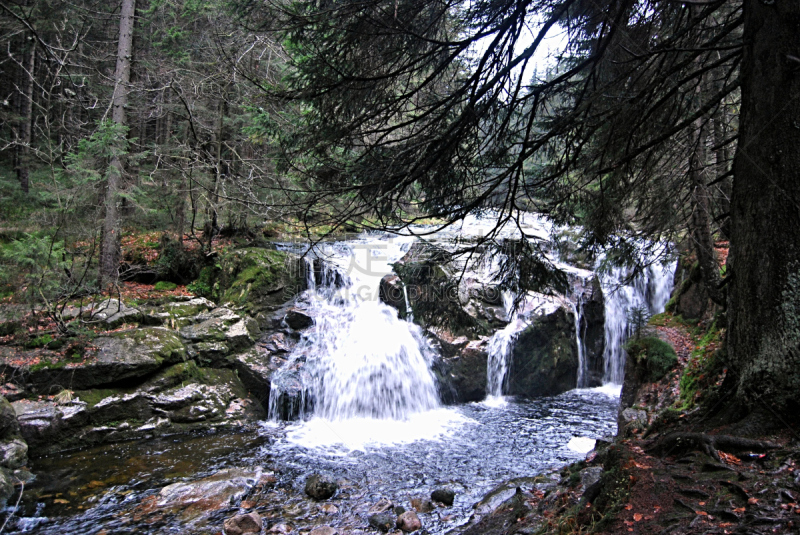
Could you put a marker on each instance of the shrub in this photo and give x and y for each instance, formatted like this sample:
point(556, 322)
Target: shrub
point(656, 355)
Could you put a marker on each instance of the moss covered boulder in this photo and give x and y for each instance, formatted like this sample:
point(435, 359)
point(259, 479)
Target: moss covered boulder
point(257, 279)
point(545, 357)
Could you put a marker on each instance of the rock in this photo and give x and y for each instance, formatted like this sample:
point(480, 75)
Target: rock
point(39, 421)
point(239, 524)
point(257, 278)
point(11, 392)
point(13, 453)
point(255, 371)
point(329, 509)
point(321, 486)
point(116, 408)
point(399, 510)
point(223, 325)
point(120, 356)
point(324, 530)
point(382, 521)
point(202, 497)
point(422, 505)
point(445, 496)
point(590, 476)
point(391, 291)
point(463, 369)
point(545, 356)
point(176, 315)
point(112, 313)
point(298, 319)
point(6, 486)
point(8, 419)
point(382, 506)
point(409, 521)
point(281, 528)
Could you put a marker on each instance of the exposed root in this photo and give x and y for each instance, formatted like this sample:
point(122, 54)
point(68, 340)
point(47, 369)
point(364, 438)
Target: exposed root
point(709, 444)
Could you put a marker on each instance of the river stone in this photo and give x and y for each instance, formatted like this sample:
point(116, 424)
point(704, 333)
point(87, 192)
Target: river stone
point(13, 453)
point(200, 498)
point(382, 506)
point(409, 521)
point(382, 521)
point(282, 528)
point(239, 524)
point(445, 496)
point(422, 505)
point(324, 530)
point(321, 486)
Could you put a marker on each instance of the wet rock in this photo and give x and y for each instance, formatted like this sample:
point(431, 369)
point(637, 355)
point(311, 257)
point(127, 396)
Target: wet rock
point(422, 505)
point(382, 521)
point(463, 369)
point(6, 486)
point(121, 407)
point(382, 506)
point(321, 486)
point(200, 498)
point(399, 510)
point(39, 421)
point(257, 278)
point(239, 524)
point(329, 509)
point(391, 292)
point(545, 356)
point(298, 319)
point(11, 392)
point(13, 453)
point(324, 530)
point(445, 496)
point(281, 528)
point(409, 521)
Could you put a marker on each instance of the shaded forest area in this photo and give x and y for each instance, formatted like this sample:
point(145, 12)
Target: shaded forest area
point(661, 122)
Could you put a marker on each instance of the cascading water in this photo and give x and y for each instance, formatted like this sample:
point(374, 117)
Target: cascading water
point(650, 291)
point(360, 359)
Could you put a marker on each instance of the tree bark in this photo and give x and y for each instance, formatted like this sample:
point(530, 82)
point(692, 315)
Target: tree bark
point(764, 295)
point(109, 254)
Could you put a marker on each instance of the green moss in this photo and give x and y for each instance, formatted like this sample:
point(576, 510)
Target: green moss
point(657, 355)
point(165, 286)
point(39, 341)
point(93, 397)
point(48, 365)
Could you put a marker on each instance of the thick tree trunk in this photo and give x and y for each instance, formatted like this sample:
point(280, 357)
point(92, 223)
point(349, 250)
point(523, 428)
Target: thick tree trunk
point(109, 253)
point(764, 305)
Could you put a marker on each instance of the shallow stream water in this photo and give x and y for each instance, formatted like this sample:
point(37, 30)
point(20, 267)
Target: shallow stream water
point(469, 448)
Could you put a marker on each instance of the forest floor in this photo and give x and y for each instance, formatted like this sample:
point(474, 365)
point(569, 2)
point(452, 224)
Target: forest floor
point(680, 473)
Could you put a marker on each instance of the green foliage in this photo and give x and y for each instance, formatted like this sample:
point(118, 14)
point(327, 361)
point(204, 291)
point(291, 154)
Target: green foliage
point(702, 372)
point(205, 285)
point(165, 286)
point(41, 263)
point(637, 320)
point(39, 341)
point(657, 356)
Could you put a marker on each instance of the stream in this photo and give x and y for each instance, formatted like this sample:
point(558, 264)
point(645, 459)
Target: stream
point(370, 415)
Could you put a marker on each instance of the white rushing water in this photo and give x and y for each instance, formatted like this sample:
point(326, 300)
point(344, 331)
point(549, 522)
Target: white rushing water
point(649, 291)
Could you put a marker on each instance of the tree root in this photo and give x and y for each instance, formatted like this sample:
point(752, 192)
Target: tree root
point(709, 444)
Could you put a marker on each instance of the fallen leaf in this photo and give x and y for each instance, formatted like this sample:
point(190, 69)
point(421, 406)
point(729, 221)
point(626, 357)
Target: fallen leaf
point(752, 501)
point(701, 513)
point(60, 500)
point(637, 517)
point(702, 503)
point(739, 510)
point(628, 506)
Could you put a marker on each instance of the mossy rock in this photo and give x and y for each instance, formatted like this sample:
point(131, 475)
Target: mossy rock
point(165, 286)
point(655, 355)
point(256, 279)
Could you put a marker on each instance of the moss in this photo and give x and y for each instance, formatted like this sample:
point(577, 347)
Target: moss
point(165, 286)
point(95, 396)
point(254, 278)
point(657, 355)
point(48, 365)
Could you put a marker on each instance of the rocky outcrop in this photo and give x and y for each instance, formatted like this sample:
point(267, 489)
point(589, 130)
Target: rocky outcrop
point(461, 371)
point(545, 356)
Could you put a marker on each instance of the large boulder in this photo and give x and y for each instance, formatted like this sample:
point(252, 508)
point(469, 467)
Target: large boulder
point(221, 331)
point(321, 486)
point(176, 314)
point(462, 370)
point(256, 279)
point(545, 356)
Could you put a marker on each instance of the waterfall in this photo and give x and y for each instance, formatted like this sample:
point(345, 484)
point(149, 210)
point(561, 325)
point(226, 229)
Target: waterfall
point(649, 290)
point(358, 360)
point(577, 312)
point(499, 350)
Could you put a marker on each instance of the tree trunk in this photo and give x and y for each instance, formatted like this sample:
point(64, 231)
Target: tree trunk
point(701, 218)
point(25, 137)
point(109, 253)
point(764, 297)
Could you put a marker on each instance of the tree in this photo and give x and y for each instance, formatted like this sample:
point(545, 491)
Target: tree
point(109, 252)
point(412, 109)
